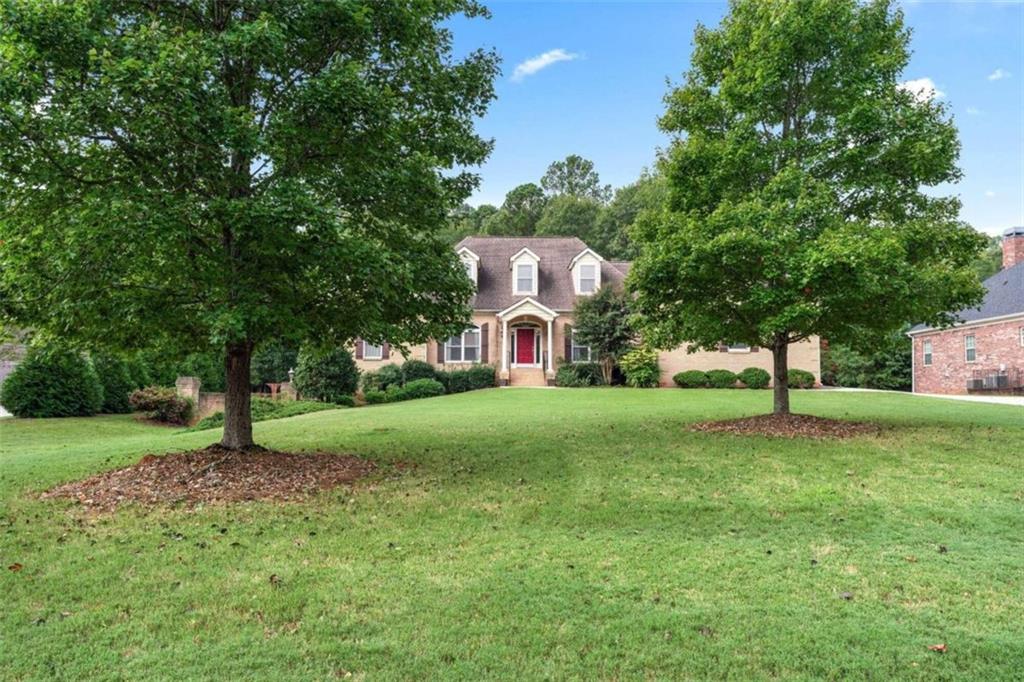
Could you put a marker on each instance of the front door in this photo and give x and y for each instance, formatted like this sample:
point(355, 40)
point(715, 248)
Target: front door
point(524, 346)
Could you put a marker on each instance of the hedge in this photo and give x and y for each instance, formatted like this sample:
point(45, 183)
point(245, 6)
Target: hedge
point(755, 377)
point(800, 378)
point(116, 381)
point(693, 378)
point(264, 409)
point(579, 374)
point(380, 379)
point(721, 378)
point(52, 382)
point(162, 404)
point(417, 369)
point(327, 375)
point(469, 379)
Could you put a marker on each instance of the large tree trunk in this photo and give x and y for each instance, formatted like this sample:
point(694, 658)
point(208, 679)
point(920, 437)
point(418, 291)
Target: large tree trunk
point(237, 416)
point(780, 358)
point(608, 369)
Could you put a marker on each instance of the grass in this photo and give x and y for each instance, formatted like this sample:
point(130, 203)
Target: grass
point(263, 409)
point(577, 534)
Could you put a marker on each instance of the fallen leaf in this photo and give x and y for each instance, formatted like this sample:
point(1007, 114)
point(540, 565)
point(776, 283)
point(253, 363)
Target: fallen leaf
point(940, 648)
point(15, 567)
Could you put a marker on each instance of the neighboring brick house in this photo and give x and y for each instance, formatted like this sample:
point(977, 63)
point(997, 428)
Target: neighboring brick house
point(522, 321)
point(985, 351)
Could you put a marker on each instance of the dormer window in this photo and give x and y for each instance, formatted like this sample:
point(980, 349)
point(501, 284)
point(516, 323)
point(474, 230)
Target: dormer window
point(471, 262)
point(524, 273)
point(586, 272)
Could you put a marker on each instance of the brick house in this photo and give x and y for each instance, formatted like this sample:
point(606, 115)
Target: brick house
point(522, 321)
point(985, 351)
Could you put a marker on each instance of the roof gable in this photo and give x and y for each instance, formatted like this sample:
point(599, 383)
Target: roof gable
point(1004, 296)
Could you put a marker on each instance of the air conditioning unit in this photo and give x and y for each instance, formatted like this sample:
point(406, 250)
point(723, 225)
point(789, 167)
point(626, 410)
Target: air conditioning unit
point(990, 381)
point(1002, 381)
point(975, 384)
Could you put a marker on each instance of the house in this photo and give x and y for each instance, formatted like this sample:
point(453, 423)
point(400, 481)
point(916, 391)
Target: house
point(10, 355)
point(526, 289)
point(984, 352)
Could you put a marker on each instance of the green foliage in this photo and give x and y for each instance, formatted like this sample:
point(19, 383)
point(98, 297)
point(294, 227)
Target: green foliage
point(611, 237)
point(208, 366)
point(375, 396)
point(886, 365)
point(579, 374)
point(755, 377)
point(799, 194)
point(575, 177)
point(264, 409)
point(418, 388)
point(116, 381)
point(182, 175)
point(469, 379)
point(417, 369)
point(692, 378)
point(569, 216)
point(271, 362)
point(380, 379)
point(138, 371)
point(519, 214)
point(990, 260)
point(640, 366)
point(162, 404)
point(800, 378)
point(721, 378)
point(603, 322)
point(326, 374)
point(466, 221)
point(52, 381)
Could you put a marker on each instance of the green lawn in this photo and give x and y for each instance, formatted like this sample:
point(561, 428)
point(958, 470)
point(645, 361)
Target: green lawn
point(574, 534)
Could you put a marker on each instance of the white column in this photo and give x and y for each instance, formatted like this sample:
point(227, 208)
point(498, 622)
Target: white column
point(504, 345)
point(551, 347)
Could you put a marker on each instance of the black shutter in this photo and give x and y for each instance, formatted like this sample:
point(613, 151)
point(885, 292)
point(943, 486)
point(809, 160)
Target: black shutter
point(754, 349)
point(440, 352)
point(359, 349)
point(723, 348)
point(385, 351)
point(484, 343)
point(568, 343)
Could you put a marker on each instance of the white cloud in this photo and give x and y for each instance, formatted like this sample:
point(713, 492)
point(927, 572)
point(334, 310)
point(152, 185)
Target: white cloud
point(989, 193)
point(999, 74)
point(541, 61)
point(974, 111)
point(923, 89)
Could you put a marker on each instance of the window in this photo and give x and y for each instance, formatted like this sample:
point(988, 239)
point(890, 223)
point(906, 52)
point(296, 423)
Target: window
point(970, 354)
point(579, 353)
point(464, 347)
point(1022, 336)
point(372, 352)
point(588, 278)
point(470, 269)
point(739, 348)
point(927, 347)
point(524, 278)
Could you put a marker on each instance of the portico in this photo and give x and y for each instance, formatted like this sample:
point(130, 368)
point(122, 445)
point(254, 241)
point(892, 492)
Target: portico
point(527, 343)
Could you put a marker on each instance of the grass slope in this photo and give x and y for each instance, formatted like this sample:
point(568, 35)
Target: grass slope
point(578, 534)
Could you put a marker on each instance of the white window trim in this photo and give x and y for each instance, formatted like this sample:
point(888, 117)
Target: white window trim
point(532, 291)
point(1022, 337)
point(744, 349)
point(579, 278)
point(366, 351)
point(462, 348)
point(927, 353)
point(572, 350)
point(972, 347)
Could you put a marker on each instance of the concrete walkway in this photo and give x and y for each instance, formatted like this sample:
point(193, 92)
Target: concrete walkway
point(991, 399)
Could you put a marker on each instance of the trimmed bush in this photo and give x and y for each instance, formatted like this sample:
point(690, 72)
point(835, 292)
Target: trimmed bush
point(580, 374)
point(162, 405)
point(693, 378)
point(470, 379)
point(420, 388)
point(327, 375)
point(116, 381)
point(52, 382)
point(721, 378)
point(265, 408)
point(800, 378)
point(755, 377)
point(417, 369)
point(640, 366)
point(380, 379)
point(375, 396)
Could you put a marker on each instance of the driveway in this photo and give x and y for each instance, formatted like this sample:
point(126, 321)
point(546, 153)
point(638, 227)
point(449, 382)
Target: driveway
point(992, 399)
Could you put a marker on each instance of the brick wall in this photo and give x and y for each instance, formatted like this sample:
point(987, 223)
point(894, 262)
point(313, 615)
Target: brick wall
point(995, 344)
point(805, 355)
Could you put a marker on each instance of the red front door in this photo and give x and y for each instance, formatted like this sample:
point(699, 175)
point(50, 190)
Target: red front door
point(524, 347)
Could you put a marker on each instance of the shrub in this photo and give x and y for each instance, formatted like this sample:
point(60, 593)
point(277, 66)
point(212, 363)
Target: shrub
point(342, 401)
point(266, 408)
point(52, 382)
point(162, 405)
point(417, 369)
point(420, 388)
point(755, 377)
point(580, 374)
point(138, 372)
point(379, 380)
point(693, 378)
point(116, 381)
point(469, 379)
point(482, 376)
point(640, 366)
point(721, 378)
point(327, 375)
point(271, 362)
point(375, 396)
point(800, 378)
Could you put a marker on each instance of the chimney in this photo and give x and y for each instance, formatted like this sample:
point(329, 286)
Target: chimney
point(1013, 247)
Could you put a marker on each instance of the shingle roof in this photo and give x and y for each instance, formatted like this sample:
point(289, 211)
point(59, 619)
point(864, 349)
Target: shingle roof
point(555, 287)
point(1004, 296)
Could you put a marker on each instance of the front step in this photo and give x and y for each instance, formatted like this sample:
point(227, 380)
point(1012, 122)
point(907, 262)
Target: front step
point(526, 376)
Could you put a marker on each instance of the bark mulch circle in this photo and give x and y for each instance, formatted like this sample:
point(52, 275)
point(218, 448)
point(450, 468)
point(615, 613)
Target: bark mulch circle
point(788, 426)
point(215, 475)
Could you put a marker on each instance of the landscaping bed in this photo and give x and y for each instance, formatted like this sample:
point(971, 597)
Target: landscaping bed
point(788, 426)
point(215, 475)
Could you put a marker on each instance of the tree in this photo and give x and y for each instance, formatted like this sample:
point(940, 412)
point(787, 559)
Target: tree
point(603, 323)
point(326, 374)
point(611, 236)
point(794, 176)
point(116, 382)
point(466, 221)
point(569, 216)
point(990, 261)
point(575, 177)
point(197, 173)
point(885, 365)
point(272, 362)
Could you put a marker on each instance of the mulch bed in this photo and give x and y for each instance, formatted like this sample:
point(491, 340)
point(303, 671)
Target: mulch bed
point(788, 426)
point(215, 475)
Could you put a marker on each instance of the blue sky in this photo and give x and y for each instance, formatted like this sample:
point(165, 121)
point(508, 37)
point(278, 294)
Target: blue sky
point(598, 91)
